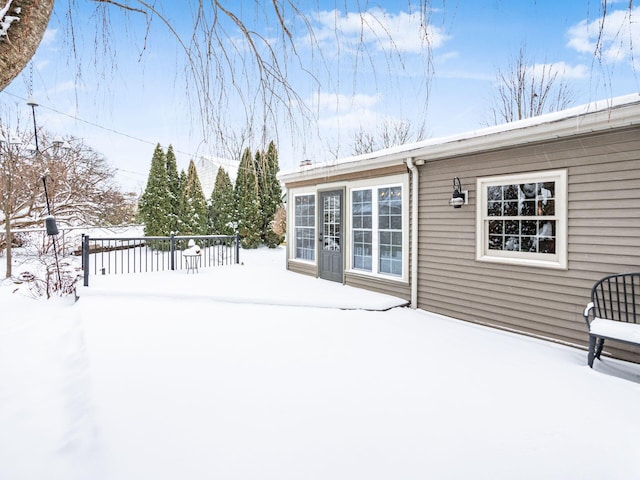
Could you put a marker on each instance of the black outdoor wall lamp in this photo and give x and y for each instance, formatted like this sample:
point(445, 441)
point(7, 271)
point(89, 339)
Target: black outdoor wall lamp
point(459, 197)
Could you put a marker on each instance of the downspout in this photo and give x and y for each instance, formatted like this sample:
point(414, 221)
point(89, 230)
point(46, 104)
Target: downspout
point(414, 232)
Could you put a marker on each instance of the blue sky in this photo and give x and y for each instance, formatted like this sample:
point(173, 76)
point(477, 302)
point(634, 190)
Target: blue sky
point(124, 108)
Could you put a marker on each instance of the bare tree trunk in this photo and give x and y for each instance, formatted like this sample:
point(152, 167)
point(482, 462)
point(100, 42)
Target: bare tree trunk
point(24, 24)
point(8, 210)
point(7, 236)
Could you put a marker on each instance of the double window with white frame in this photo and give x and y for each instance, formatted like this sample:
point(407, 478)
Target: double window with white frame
point(377, 230)
point(522, 219)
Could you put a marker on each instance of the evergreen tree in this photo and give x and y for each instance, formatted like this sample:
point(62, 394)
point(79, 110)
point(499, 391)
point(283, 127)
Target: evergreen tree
point(155, 205)
point(183, 180)
point(221, 205)
point(247, 202)
point(270, 193)
point(193, 205)
point(173, 183)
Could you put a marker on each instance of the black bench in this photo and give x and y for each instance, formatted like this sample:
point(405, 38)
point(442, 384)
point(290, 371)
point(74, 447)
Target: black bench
point(613, 312)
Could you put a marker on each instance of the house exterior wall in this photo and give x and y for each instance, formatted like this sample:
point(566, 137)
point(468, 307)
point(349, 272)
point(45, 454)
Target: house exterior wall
point(603, 237)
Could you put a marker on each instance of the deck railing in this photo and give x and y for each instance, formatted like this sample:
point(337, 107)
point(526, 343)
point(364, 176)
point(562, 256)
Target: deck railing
point(122, 255)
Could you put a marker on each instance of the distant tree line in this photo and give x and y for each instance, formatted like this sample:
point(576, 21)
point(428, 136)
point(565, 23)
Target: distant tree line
point(175, 202)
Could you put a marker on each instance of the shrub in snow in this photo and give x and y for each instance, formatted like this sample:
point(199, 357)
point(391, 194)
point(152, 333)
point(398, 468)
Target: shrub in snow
point(42, 279)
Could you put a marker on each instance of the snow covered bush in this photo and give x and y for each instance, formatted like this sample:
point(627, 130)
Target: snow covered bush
point(46, 279)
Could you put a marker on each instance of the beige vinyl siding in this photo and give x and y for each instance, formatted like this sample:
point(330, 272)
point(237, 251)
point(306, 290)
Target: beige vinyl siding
point(302, 267)
point(379, 285)
point(366, 282)
point(603, 232)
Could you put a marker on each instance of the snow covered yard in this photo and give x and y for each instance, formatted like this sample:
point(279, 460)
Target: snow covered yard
point(180, 385)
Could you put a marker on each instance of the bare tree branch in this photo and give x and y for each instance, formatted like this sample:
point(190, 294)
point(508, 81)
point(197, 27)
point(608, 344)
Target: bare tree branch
point(527, 89)
point(390, 133)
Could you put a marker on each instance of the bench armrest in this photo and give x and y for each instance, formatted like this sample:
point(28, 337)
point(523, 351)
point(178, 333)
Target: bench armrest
point(587, 310)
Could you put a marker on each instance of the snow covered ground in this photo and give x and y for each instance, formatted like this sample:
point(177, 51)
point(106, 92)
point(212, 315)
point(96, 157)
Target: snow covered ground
point(175, 376)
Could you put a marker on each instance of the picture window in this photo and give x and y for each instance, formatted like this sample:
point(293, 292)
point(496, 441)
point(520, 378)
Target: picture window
point(522, 219)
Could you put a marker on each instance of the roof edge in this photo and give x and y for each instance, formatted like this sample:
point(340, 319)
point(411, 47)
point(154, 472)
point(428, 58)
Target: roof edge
point(601, 115)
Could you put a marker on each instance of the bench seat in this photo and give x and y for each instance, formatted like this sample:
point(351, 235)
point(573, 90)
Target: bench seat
point(615, 330)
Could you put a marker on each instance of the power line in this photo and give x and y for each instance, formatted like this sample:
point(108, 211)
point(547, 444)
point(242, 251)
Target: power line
point(101, 127)
point(227, 162)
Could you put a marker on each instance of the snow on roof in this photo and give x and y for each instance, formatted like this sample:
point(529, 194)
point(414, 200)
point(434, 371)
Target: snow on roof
point(207, 169)
point(593, 116)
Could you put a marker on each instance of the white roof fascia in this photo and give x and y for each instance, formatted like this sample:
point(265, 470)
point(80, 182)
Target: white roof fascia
point(597, 116)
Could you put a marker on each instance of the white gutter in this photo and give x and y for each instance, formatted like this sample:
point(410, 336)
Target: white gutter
point(414, 232)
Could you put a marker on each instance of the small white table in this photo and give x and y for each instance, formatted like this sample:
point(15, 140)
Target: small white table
point(192, 260)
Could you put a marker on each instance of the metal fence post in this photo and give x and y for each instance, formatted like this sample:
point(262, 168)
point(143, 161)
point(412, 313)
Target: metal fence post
point(172, 250)
point(85, 258)
point(237, 247)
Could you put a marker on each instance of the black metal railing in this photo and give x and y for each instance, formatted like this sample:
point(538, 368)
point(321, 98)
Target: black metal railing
point(106, 256)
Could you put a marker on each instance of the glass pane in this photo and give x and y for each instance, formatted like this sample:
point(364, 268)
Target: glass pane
point(527, 244)
point(547, 246)
point(527, 208)
point(529, 227)
point(494, 209)
point(512, 244)
point(496, 227)
point(546, 228)
point(510, 209)
point(395, 207)
point(396, 268)
point(528, 191)
point(546, 208)
point(510, 192)
point(385, 266)
point(495, 242)
point(547, 190)
point(512, 227)
point(305, 244)
point(494, 193)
